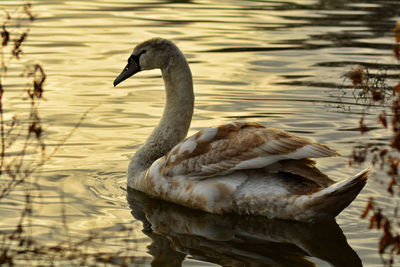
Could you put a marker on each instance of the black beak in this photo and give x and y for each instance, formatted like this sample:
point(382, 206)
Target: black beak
point(130, 69)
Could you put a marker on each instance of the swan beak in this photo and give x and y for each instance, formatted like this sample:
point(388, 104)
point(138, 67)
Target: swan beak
point(128, 71)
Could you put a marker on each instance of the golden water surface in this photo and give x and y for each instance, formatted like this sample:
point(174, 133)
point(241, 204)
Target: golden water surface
point(279, 63)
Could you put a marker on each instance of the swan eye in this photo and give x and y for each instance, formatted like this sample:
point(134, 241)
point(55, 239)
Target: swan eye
point(136, 57)
point(133, 58)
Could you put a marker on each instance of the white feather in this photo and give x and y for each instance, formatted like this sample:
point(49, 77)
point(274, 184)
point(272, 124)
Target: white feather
point(208, 134)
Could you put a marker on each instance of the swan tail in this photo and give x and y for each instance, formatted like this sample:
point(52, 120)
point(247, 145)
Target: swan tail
point(330, 201)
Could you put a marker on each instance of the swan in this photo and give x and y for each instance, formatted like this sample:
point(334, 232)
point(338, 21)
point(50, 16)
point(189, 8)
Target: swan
point(239, 167)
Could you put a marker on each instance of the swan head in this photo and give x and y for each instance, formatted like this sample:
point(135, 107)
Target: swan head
point(156, 53)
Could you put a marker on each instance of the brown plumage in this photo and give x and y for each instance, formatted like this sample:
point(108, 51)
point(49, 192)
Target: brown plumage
point(227, 146)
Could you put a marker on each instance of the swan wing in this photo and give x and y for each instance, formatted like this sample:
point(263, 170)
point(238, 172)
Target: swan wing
point(235, 146)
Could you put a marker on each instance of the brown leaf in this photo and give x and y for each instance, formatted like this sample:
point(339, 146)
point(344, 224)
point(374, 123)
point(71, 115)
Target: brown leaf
point(363, 127)
point(5, 35)
point(396, 30)
point(39, 80)
point(372, 221)
point(27, 9)
point(397, 88)
point(357, 75)
point(359, 155)
point(390, 188)
point(382, 119)
point(367, 209)
point(387, 239)
point(396, 51)
point(377, 95)
point(379, 218)
point(396, 141)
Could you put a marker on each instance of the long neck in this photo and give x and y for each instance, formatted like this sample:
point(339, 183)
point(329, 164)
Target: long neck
point(176, 118)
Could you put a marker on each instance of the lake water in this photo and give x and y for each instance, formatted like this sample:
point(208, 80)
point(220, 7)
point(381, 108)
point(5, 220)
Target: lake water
point(279, 63)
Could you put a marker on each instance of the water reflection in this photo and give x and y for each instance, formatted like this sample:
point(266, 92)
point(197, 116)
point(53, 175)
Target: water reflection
point(266, 61)
point(232, 240)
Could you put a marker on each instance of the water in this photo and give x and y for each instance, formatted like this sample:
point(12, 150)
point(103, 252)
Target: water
point(277, 63)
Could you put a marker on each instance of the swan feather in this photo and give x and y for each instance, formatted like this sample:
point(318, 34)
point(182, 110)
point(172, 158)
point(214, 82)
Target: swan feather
point(236, 146)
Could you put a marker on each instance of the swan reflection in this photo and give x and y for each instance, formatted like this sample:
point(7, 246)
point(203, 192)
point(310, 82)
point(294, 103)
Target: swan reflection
point(234, 240)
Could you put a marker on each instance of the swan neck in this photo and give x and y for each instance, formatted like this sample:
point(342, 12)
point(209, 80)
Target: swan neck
point(178, 111)
point(176, 118)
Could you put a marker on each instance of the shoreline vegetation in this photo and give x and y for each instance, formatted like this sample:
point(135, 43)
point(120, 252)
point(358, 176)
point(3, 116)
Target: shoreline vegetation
point(374, 90)
point(24, 152)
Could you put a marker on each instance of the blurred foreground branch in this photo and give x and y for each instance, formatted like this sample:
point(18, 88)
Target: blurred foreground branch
point(23, 151)
point(386, 157)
